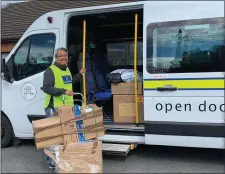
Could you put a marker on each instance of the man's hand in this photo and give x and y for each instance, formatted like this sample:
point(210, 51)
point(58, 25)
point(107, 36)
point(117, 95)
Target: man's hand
point(69, 93)
point(82, 71)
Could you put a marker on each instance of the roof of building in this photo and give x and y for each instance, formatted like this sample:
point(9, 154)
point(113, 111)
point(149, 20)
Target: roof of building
point(17, 17)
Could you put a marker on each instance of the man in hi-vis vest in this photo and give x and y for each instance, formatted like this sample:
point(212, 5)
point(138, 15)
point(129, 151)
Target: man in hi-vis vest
point(57, 85)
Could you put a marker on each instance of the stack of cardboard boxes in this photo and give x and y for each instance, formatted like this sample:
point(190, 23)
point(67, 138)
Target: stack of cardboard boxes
point(124, 109)
point(75, 137)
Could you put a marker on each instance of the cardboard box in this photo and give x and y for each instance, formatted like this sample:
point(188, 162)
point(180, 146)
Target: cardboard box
point(54, 131)
point(126, 88)
point(124, 109)
point(66, 113)
point(77, 157)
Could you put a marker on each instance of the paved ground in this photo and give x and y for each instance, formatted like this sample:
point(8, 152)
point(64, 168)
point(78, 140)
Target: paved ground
point(25, 158)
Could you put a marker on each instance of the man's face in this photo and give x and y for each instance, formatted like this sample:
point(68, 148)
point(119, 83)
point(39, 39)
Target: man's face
point(62, 57)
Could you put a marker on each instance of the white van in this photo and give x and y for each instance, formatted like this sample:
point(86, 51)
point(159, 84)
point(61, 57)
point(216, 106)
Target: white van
point(180, 52)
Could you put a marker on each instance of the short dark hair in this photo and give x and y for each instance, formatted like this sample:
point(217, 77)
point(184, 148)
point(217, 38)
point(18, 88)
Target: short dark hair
point(60, 49)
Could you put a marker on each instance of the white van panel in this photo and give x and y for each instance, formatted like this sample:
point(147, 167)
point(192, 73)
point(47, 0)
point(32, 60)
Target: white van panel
point(192, 91)
point(185, 109)
point(185, 141)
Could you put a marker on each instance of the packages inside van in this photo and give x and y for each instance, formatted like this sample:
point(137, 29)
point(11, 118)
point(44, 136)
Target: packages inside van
point(109, 63)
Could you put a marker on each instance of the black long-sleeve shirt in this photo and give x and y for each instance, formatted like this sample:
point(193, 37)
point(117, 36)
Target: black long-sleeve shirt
point(49, 81)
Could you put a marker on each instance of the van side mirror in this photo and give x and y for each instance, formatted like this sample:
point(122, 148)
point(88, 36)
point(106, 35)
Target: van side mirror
point(4, 71)
point(3, 65)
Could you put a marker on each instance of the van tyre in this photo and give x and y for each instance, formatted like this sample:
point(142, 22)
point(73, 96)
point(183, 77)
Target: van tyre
point(6, 132)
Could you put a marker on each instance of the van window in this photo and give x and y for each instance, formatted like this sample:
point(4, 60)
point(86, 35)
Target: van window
point(42, 49)
point(139, 53)
point(116, 53)
point(122, 54)
point(20, 57)
point(186, 46)
point(34, 55)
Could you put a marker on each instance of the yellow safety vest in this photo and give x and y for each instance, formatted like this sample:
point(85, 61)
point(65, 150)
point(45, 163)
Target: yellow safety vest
point(63, 80)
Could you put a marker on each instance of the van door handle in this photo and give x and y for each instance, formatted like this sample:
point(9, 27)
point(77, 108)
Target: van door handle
point(167, 88)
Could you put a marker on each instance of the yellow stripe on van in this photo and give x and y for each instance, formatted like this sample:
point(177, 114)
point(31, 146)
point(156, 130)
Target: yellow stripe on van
point(185, 84)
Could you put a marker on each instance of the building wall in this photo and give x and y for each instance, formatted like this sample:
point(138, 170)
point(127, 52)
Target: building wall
point(6, 48)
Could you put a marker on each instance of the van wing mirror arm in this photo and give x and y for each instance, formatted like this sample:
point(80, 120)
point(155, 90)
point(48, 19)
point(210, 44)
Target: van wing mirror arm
point(7, 70)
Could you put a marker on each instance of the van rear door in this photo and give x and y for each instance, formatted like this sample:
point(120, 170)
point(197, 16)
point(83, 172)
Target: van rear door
point(183, 78)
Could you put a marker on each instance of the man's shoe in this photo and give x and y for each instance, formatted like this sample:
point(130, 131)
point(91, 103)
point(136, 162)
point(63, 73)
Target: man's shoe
point(51, 166)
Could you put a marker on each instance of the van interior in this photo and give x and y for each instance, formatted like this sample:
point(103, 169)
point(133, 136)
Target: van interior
point(109, 46)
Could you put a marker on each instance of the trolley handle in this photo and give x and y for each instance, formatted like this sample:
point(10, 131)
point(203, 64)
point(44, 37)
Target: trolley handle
point(82, 97)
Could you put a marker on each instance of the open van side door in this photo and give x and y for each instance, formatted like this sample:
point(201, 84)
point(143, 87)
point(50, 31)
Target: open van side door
point(33, 54)
point(184, 73)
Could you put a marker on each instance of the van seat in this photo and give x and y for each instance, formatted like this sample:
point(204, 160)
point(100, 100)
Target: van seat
point(97, 88)
point(101, 70)
point(103, 95)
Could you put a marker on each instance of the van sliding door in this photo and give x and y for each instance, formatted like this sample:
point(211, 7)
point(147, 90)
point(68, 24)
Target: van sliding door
point(184, 73)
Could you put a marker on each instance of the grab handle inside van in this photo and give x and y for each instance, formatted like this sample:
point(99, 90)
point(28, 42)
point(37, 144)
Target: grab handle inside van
point(167, 88)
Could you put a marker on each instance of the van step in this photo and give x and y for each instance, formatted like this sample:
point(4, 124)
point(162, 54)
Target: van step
point(124, 127)
point(122, 139)
point(115, 149)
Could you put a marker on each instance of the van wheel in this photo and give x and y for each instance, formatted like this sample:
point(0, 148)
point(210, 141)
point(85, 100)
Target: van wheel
point(6, 134)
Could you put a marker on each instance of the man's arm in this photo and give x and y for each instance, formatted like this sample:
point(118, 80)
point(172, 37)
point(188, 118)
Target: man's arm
point(48, 84)
point(77, 78)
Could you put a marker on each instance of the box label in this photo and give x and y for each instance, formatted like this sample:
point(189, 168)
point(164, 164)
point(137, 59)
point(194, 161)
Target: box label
point(88, 110)
point(126, 109)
